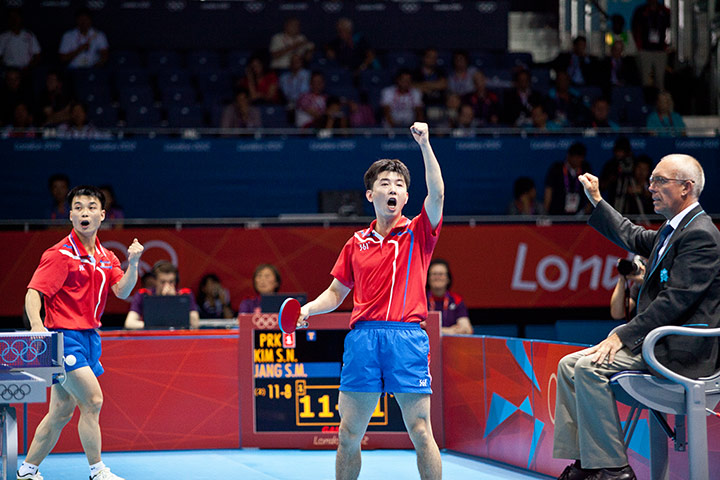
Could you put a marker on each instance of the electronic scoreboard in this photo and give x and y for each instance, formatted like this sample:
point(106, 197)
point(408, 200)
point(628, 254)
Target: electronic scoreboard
point(289, 386)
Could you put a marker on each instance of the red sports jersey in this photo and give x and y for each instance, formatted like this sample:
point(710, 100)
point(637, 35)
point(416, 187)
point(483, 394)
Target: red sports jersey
point(389, 273)
point(74, 284)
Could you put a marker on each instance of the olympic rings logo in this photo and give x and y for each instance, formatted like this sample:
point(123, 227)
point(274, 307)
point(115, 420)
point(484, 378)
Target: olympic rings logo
point(21, 349)
point(14, 391)
point(265, 321)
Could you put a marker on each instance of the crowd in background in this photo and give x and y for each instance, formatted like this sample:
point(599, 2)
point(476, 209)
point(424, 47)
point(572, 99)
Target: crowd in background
point(86, 87)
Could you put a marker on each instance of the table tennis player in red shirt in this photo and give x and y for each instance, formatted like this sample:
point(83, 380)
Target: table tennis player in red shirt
point(386, 349)
point(73, 279)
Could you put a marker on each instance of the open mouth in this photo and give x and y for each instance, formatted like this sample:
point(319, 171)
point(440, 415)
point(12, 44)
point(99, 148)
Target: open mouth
point(392, 202)
point(85, 223)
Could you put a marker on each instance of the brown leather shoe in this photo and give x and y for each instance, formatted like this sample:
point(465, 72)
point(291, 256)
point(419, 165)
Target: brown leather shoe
point(575, 472)
point(625, 473)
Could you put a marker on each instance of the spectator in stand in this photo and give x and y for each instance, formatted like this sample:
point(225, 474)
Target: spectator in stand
point(83, 46)
point(467, 124)
point(651, 31)
point(288, 43)
point(295, 81)
point(540, 123)
point(564, 194)
point(664, 121)
point(361, 112)
point(600, 117)
point(455, 319)
point(640, 200)
point(519, 100)
point(261, 84)
point(59, 187)
point(113, 212)
point(617, 171)
point(334, 116)
point(14, 92)
point(311, 106)
point(240, 113)
point(401, 103)
point(266, 280)
point(525, 200)
point(19, 48)
point(485, 103)
point(617, 69)
point(618, 34)
point(581, 67)
point(54, 103)
point(432, 82)
point(566, 104)
point(22, 124)
point(78, 126)
point(461, 80)
point(448, 116)
point(166, 283)
point(213, 299)
point(349, 49)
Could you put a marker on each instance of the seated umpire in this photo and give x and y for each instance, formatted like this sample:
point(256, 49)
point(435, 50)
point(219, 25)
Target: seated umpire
point(682, 287)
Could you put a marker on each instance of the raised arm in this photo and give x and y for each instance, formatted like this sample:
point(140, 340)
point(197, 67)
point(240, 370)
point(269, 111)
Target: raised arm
point(433, 175)
point(123, 287)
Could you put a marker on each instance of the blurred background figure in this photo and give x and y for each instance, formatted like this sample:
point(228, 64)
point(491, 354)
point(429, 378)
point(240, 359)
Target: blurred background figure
point(266, 280)
point(59, 186)
point(213, 299)
point(455, 319)
point(664, 121)
point(525, 200)
point(113, 212)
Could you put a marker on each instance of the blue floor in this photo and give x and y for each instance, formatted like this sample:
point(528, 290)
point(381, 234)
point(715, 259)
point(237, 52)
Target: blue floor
point(251, 464)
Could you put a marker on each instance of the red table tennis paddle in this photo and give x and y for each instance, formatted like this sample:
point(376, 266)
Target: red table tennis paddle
point(288, 316)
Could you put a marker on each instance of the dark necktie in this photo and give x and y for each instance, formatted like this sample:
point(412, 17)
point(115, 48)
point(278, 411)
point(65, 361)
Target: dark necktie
point(664, 234)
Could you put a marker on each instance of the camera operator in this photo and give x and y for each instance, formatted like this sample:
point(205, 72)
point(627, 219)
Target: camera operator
point(624, 297)
point(616, 178)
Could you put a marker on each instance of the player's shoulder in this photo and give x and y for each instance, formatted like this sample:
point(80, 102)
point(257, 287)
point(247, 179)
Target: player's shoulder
point(62, 249)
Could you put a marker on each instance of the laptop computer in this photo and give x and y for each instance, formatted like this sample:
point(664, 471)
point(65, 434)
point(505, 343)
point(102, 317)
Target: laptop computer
point(271, 303)
point(166, 311)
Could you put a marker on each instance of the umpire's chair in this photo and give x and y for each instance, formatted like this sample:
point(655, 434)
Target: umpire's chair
point(689, 400)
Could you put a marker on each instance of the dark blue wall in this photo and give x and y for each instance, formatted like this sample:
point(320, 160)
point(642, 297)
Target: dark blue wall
point(161, 178)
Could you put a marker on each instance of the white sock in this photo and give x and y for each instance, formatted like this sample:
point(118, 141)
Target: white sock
point(94, 469)
point(26, 468)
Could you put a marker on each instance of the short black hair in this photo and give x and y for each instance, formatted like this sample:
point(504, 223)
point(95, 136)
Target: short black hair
point(88, 191)
point(58, 177)
point(386, 165)
point(577, 148)
point(522, 185)
point(622, 143)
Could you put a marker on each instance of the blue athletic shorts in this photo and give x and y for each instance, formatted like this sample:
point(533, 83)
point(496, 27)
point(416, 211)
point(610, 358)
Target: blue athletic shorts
point(82, 349)
point(391, 357)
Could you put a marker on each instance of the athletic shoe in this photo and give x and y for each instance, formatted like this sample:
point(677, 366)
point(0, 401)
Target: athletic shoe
point(574, 472)
point(30, 476)
point(625, 473)
point(105, 474)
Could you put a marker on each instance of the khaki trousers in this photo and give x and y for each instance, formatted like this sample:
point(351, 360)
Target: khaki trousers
point(587, 424)
point(652, 66)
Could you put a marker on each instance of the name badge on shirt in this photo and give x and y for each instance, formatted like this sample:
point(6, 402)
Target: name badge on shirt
point(572, 202)
point(654, 35)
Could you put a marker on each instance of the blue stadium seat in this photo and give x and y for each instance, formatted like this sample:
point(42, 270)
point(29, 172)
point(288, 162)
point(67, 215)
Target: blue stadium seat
point(445, 60)
point(214, 112)
point(217, 81)
point(142, 116)
point(540, 79)
point(516, 59)
point(159, 60)
point(136, 95)
point(370, 79)
point(274, 116)
point(96, 95)
point(203, 60)
point(237, 61)
point(102, 115)
point(344, 93)
point(178, 95)
point(185, 116)
point(590, 94)
point(589, 332)
point(120, 59)
point(87, 79)
point(498, 330)
point(321, 63)
point(173, 78)
point(483, 60)
point(395, 61)
point(498, 78)
point(627, 106)
point(127, 77)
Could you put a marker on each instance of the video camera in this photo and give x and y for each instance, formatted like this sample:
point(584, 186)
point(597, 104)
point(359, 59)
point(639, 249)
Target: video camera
point(630, 267)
